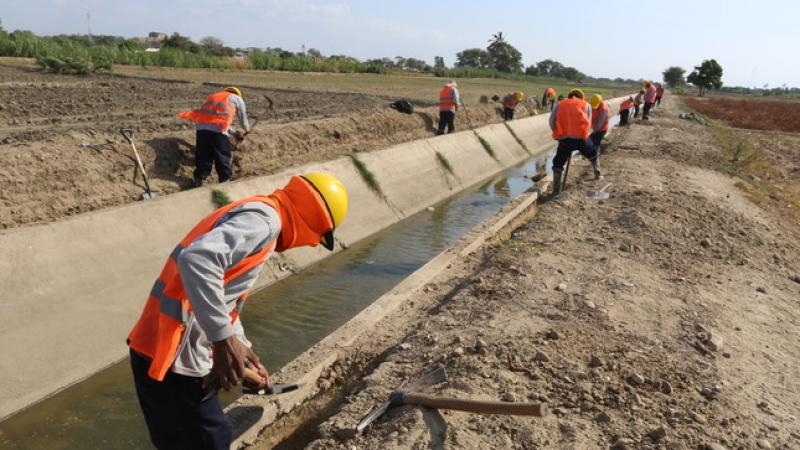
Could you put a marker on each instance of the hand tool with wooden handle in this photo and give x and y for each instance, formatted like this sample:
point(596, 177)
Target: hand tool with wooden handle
point(253, 377)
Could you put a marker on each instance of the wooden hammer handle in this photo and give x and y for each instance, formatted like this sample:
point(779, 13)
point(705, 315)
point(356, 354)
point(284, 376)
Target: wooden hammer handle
point(476, 406)
point(249, 375)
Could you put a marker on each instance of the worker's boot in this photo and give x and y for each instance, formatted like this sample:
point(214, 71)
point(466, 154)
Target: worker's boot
point(596, 166)
point(556, 182)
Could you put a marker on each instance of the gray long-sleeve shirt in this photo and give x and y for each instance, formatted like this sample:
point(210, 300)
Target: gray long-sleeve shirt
point(554, 113)
point(241, 114)
point(243, 231)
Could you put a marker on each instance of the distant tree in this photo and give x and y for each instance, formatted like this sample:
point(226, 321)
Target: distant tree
point(215, 47)
point(532, 70)
point(473, 57)
point(673, 76)
point(707, 75)
point(314, 52)
point(439, 68)
point(573, 74)
point(505, 57)
point(182, 43)
point(550, 68)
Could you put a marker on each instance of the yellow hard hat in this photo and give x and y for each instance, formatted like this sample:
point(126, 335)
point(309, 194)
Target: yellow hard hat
point(520, 95)
point(641, 91)
point(577, 92)
point(595, 100)
point(336, 199)
point(234, 90)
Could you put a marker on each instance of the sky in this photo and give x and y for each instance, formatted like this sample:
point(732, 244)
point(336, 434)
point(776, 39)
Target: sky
point(756, 43)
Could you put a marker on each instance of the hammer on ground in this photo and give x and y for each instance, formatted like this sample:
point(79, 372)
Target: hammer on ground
point(407, 396)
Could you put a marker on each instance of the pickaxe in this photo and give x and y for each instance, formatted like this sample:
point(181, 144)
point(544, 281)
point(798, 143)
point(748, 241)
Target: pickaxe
point(408, 396)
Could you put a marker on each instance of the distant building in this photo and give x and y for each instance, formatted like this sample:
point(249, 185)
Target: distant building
point(156, 36)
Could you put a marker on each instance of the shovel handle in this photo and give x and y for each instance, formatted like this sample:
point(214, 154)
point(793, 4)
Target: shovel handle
point(476, 406)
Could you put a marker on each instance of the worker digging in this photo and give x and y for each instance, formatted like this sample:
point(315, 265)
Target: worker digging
point(570, 122)
point(214, 128)
point(189, 338)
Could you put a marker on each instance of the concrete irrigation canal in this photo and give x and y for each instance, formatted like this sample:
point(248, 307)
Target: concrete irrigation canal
point(79, 394)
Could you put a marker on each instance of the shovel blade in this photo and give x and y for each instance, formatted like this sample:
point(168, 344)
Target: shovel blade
point(149, 195)
point(598, 195)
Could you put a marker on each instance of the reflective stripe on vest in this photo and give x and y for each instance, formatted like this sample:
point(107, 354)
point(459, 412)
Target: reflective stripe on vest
point(216, 110)
point(571, 119)
point(447, 98)
point(596, 116)
point(159, 331)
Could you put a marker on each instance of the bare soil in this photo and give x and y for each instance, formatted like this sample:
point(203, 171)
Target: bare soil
point(47, 174)
point(753, 113)
point(665, 317)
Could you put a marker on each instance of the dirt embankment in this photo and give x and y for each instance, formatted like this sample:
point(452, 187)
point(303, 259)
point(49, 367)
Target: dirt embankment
point(47, 174)
point(665, 317)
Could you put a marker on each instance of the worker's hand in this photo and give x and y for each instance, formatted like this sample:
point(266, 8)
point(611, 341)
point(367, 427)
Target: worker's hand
point(263, 381)
point(231, 356)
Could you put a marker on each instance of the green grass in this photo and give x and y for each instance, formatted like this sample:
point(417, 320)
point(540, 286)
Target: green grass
point(519, 141)
point(486, 146)
point(444, 163)
point(367, 175)
point(219, 198)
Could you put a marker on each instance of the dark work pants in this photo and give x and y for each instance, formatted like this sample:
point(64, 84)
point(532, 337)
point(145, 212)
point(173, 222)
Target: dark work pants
point(212, 149)
point(636, 111)
point(565, 149)
point(597, 138)
point(180, 414)
point(658, 101)
point(623, 117)
point(508, 113)
point(646, 113)
point(446, 118)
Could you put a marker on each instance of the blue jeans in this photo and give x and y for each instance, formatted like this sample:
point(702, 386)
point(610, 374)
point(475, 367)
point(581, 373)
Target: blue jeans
point(179, 412)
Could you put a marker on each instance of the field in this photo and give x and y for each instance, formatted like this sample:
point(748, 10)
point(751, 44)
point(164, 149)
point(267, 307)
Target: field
point(48, 172)
point(757, 114)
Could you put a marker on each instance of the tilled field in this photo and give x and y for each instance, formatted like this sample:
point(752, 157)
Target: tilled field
point(48, 172)
point(753, 113)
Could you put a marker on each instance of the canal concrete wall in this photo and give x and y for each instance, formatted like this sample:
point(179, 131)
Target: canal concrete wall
point(71, 290)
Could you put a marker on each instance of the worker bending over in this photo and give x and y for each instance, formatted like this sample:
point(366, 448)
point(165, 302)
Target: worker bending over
point(637, 102)
point(570, 122)
point(190, 328)
point(548, 98)
point(600, 121)
point(625, 111)
point(510, 102)
point(214, 120)
point(449, 100)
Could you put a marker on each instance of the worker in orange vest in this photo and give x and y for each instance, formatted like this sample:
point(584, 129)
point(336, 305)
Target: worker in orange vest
point(659, 93)
point(449, 99)
point(213, 128)
point(650, 93)
point(510, 102)
point(625, 111)
point(548, 98)
point(637, 102)
point(600, 121)
point(570, 121)
point(190, 331)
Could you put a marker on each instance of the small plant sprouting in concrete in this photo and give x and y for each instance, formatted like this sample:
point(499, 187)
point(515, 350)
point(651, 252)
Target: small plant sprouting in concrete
point(486, 146)
point(444, 163)
point(519, 141)
point(220, 198)
point(367, 175)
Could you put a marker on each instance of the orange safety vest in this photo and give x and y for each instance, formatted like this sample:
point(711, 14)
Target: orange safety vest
point(447, 98)
point(216, 110)
point(627, 104)
point(571, 119)
point(160, 328)
point(510, 100)
point(596, 115)
point(659, 91)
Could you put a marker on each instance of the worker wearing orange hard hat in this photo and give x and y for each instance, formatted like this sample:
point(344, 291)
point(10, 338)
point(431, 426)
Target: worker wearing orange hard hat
point(189, 340)
point(213, 125)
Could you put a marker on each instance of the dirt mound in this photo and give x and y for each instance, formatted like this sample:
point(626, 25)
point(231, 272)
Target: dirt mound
point(48, 172)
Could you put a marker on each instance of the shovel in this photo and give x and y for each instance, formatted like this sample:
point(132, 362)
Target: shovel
point(601, 194)
point(149, 194)
point(408, 396)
